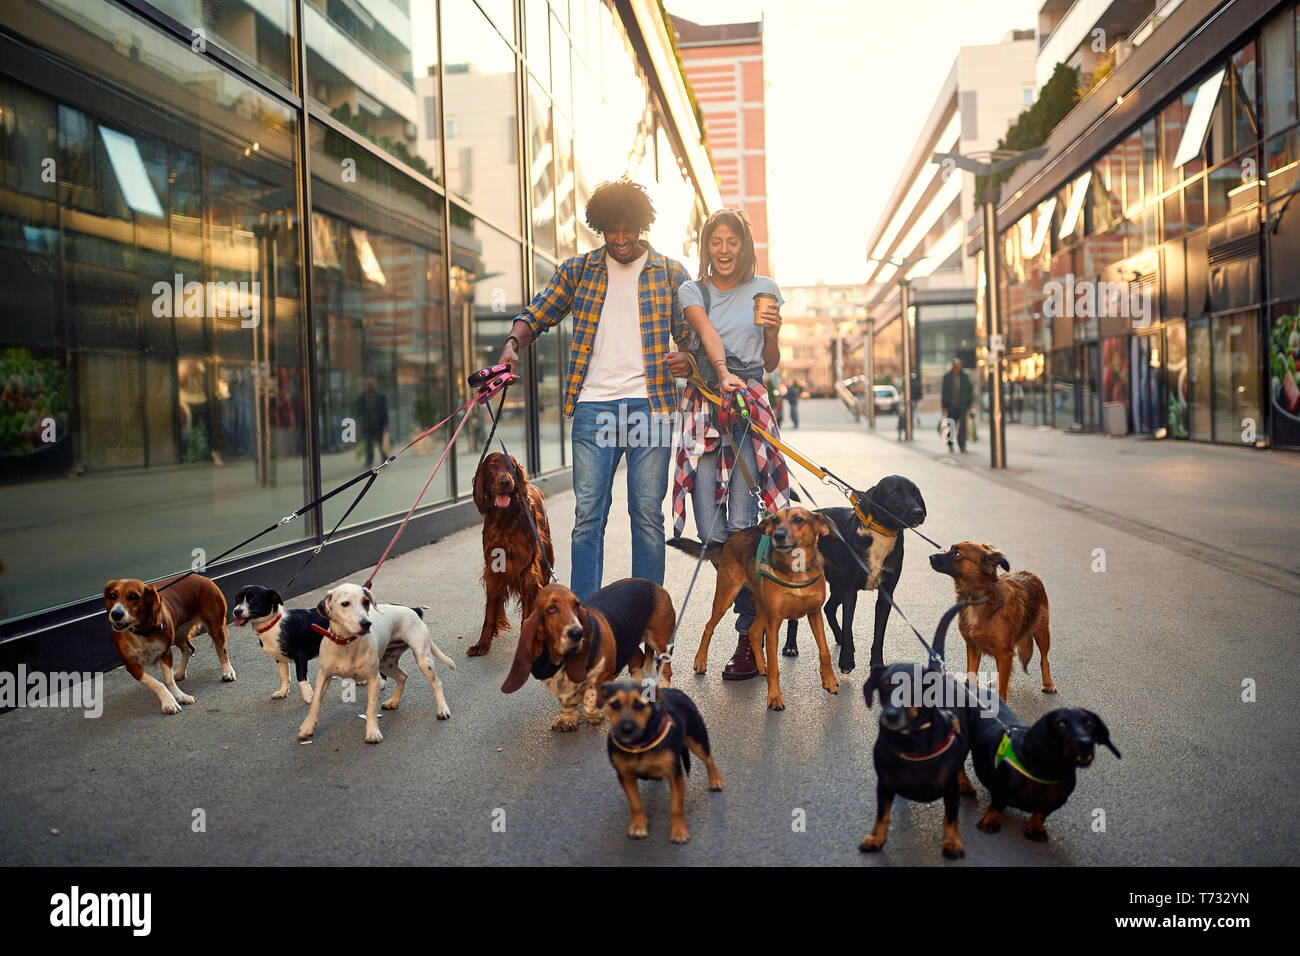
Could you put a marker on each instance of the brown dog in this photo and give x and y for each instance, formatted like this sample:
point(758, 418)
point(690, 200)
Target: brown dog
point(147, 623)
point(512, 562)
point(787, 581)
point(1007, 612)
point(573, 646)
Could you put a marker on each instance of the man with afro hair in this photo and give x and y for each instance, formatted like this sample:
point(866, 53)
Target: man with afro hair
point(620, 391)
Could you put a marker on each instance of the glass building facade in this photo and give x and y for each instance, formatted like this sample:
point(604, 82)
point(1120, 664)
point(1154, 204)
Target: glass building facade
point(239, 239)
point(1157, 287)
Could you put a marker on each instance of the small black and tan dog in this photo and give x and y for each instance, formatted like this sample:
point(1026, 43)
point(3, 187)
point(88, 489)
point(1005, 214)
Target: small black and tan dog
point(921, 747)
point(651, 740)
point(1032, 768)
point(891, 506)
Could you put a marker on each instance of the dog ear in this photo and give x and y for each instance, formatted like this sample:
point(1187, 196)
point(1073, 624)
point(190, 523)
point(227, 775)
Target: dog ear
point(519, 470)
point(481, 500)
point(374, 605)
point(323, 607)
point(1100, 733)
point(995, 558)
point(275, 597)
point(525, 652)
point(108, 588)
point(822, 524)
point(768, 524)
point(152, 604)
point(872, 684)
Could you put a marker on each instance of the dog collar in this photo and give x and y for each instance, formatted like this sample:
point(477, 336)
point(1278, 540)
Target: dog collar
point(274, 621)
point(1007, 752)
point(153, 630)
point(872, 525)
point(326, 632)
point(665, 726)
point(763, 568)
point(947, 742)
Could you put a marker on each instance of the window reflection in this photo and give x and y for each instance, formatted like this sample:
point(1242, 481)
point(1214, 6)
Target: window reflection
point(261, 31)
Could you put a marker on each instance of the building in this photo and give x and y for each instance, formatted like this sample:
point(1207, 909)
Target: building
point(724, 62)
point(816, 323)
point(925, 220)
point(230, 234)
point(1147, 263)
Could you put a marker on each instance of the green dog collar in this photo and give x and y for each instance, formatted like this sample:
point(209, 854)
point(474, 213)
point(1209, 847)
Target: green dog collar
point(1007, 753)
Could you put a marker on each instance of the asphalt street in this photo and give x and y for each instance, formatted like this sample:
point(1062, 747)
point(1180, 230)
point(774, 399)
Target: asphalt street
point(1158, 644)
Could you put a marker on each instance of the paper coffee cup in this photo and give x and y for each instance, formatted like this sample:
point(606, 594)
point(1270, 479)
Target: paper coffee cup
point(761, 299)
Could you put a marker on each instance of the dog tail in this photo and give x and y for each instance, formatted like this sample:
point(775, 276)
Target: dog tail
point(1025, 650)
point(419, 611)
point(941, 632)
point(692, 547)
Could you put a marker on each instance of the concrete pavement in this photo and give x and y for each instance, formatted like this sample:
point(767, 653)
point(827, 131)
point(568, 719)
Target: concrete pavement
point(1158, 644)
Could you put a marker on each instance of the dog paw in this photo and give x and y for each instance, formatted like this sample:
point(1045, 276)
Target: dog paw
point(171, 707)
point(305, 732)
point(307, 694)
point(185, 698)
point(715, 784)
point(964, 786)
point(390, 704)
point(228, 677)
point(1035, 831)
point(1049, 688)
point(444, 713)
point(637, 829)
point(180, 676)
point(870, 844)
point(990, 823)
point(847, 662)
point(479, 649)
point(374, 736)
point(565, 723)
point(790, 651)
point(831, 687)
point(679, 833)
point(282, 693)
point(952, 849)
point(775, 702)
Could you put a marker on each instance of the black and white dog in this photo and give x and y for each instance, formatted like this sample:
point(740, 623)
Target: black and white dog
point(891, 506)
point(286, 636)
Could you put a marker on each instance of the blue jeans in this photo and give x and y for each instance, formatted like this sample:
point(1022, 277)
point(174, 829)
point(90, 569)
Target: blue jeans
point(603, 432)
point(738, 511)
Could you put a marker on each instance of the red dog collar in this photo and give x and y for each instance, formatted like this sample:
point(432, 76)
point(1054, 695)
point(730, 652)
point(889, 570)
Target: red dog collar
point(274, 621)
point(664, 727)
point(952, 735)
point(324, 632)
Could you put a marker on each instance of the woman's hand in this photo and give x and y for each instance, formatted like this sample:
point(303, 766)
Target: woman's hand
point(769, 316)
point(729, 382)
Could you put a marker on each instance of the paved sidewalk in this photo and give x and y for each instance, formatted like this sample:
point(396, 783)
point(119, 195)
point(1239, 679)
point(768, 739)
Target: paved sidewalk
point(1158, 645)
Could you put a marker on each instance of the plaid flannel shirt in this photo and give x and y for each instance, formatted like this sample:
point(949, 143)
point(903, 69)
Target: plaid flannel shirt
point(579, 286)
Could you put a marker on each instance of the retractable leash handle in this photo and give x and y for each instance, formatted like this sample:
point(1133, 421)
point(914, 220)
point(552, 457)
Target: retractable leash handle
point(485, 375)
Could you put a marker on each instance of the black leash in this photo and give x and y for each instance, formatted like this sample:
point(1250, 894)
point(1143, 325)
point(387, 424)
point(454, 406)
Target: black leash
point(519, 483)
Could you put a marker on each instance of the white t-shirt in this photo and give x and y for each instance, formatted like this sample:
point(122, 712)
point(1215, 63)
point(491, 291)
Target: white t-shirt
point(617, 365)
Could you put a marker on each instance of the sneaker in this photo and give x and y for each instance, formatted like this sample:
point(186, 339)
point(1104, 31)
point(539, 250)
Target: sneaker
point(742, 665)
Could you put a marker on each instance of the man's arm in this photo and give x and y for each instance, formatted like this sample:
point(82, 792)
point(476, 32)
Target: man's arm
point(548, 309)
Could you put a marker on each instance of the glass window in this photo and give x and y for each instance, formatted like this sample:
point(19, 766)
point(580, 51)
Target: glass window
point(152, 342)
point(1149, 187)
point(541, 158)
point(552, 365)
point(502, 13)
point(479, 88)
point(565, 236)
point(1244, 124)
point(261, 32)
point(374, 68)
point(380, 314)
point(1279, 42)
point(1173, 216)
point(537, 24)
point(486, 295)
point(1131, 147)
point(1198, 380)
point(1171, 134)
point(1236, 376)
point(1199, 109)
point(1176, 378)
point(561, 87)
point(1194, 203)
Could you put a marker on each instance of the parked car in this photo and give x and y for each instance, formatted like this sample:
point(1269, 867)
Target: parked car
point(886, 398)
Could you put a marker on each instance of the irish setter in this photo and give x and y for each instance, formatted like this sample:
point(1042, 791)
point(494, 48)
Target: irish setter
point(512, 563)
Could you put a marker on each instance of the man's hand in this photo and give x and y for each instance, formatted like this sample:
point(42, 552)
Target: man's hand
point(510, 356)
point(676, 363)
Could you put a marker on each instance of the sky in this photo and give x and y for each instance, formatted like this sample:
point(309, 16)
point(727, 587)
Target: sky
point(850, 83)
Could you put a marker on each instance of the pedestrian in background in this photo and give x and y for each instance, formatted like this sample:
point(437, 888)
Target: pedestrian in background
point(956, 396)
point(623, 297)
point(792, 397)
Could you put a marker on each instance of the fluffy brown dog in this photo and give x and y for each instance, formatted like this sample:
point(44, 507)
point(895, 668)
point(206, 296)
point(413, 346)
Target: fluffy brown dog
point(1007, 613)
point(148, 623)
point(787, 582)
point(574, 646)
point(512, 563)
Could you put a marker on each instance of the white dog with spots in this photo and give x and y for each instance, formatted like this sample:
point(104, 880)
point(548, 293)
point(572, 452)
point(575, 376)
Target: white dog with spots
point(366, 639)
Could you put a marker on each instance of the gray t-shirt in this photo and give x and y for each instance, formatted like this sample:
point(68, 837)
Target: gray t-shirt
point(732, 314)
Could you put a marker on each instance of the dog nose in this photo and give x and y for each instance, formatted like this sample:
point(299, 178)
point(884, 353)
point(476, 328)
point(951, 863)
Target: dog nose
point(365, 626)
point(117, 614)
point(574, 633)
point(917, 514)
point(781, 536)
point(627, 727)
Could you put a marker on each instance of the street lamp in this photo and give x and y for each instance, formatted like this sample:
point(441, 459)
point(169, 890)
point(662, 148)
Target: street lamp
point(902, 267)
point(998, 161)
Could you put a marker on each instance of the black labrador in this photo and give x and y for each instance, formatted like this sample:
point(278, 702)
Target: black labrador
point(865, 558)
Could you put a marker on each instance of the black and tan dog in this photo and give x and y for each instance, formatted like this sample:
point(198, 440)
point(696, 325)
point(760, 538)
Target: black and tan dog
point(780, 564)
point(573, 646)
point(1004, 613)
point(865, 556)
point(924, 737)
point(653, 740)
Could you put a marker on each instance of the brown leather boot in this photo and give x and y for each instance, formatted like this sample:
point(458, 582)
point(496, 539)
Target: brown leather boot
point(742, 665)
